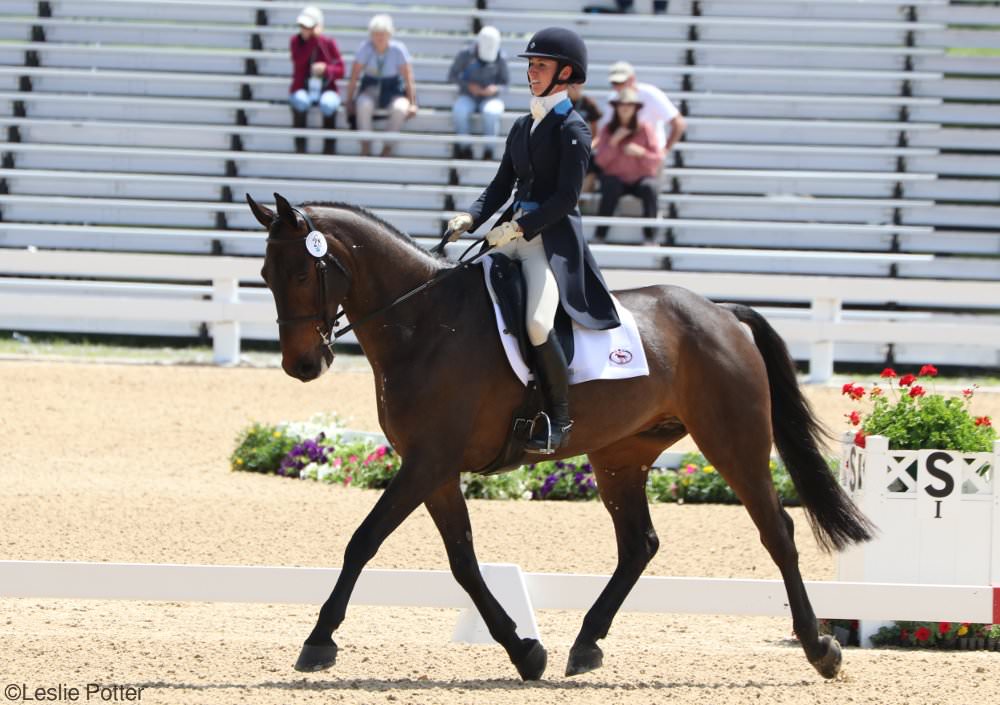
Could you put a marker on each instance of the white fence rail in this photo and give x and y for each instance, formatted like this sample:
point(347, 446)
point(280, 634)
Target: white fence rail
point(520, 593)
point(119, 292)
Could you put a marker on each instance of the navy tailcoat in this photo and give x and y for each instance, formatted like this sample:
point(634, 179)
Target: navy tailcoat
point(546, 167)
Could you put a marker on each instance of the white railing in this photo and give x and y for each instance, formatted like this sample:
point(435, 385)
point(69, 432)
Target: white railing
point(520, 593)
point(227, 305)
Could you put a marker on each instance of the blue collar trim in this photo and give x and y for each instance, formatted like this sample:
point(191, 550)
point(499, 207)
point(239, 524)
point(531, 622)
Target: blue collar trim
point(563, 107)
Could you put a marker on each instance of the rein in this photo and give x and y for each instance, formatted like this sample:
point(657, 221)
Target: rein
point(329, 335)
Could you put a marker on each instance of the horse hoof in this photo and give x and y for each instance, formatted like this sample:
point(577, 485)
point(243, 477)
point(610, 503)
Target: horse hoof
point(584, 658)
point(828, 664)
point(532, 664)
point(316, 657)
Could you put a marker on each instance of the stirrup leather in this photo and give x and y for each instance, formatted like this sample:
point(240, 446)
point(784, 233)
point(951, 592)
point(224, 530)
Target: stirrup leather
point(548, 449)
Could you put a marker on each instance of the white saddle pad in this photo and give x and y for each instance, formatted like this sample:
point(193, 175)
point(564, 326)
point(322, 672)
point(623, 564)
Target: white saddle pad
point(598, 354)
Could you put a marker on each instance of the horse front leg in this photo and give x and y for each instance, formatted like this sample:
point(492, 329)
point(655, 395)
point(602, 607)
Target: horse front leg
point(451, 515)
point(406, 492)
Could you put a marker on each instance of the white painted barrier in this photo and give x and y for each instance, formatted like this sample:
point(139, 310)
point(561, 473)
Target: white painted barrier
point(230, 304)
point(938, 518)
point(520, 593)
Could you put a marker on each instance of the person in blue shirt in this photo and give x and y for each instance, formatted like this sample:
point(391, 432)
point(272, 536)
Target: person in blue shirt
point(544, 162)
point(480, 72)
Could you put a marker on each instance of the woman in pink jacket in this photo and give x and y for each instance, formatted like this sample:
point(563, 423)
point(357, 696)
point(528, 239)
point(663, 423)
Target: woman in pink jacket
point(630, 160)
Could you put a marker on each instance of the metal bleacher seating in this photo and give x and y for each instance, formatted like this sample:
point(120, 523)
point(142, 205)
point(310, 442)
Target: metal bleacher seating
point(836, 138)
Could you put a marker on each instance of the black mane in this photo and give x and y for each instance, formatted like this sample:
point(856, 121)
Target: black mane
point(365, 213)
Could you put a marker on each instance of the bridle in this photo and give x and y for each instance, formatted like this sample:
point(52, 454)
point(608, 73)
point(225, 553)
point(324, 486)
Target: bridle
point(326, 331)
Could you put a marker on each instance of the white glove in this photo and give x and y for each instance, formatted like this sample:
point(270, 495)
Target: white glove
point(503, 233)
point(458, 225)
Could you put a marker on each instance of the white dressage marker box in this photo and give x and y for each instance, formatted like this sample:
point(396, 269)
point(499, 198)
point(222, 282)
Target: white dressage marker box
point(938, 517)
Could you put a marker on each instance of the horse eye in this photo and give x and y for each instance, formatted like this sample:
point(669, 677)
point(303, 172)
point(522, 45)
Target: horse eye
point(302, 277)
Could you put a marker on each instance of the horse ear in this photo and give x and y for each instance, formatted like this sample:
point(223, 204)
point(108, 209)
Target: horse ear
point(263, 214)
point(284, 208)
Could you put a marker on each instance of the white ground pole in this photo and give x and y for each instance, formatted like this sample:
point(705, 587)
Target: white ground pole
point(520, 593)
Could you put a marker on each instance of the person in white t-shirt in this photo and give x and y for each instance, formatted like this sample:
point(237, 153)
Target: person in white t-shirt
point(656, 106)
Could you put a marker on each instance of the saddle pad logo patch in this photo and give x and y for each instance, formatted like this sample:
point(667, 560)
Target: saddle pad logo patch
point(620, 356)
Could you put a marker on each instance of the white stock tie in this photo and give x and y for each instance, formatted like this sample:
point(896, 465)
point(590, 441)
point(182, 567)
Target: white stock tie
point(538, 110)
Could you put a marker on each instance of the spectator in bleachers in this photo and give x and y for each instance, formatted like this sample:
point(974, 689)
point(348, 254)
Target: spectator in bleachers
point(586, 106)
point(316, 66)
point(621, 7)
point(591, 114)
point(480, 72)
point(629, 157)
point(657, 108)
point(381, 78)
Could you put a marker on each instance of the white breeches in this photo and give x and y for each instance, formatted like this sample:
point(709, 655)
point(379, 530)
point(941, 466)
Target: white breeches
point(540, 283)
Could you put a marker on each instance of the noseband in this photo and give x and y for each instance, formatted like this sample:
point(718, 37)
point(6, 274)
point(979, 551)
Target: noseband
point(326, 332)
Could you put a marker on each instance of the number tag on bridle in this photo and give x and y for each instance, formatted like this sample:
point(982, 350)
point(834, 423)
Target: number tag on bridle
point(316, 244)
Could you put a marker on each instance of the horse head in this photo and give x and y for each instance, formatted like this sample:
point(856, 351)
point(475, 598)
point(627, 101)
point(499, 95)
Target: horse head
point(309, 283)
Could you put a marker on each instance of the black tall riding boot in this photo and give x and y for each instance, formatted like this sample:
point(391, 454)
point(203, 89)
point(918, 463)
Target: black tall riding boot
point(330, 143)
point(552, 374)
point(299, 121)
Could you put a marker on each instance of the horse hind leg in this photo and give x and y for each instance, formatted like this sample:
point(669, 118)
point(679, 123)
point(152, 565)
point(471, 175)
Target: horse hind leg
point(621, 472)
point(743, 459)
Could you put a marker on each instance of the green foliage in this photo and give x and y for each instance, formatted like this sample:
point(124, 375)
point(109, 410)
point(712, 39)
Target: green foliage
point(932, 634)
point(913, 418)
point(509, 485)
point(261, 448)
point(697, 481)
point(932, 421)
point(293, 451)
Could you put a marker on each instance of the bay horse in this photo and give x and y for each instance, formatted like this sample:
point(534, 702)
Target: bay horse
point(446, 393)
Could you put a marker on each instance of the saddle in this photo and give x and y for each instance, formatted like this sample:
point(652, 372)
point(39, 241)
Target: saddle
point(507, 281)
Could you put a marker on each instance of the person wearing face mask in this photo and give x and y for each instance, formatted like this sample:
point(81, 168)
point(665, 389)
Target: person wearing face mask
point(544, 162)
point(480, 72)
point(316, 66)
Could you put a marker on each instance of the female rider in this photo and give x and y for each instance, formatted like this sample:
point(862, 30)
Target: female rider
point(544, 162)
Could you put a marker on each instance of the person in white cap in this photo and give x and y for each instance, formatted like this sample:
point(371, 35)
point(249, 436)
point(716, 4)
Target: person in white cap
point(381, 77)
point(316, 66)
point(480, 72)
point(657, 108)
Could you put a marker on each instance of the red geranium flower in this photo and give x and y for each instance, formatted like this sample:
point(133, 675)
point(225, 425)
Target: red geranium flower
point(847, 388)
point(889, 373)
point(967, 393)
point(944, 628)
point(928, 371)
point(907, 380)
point(859, 439)
point(854, 417)
point(917, 391)
point(983, 421)
point(904, 634)
point(923, 634)
point(857, 392)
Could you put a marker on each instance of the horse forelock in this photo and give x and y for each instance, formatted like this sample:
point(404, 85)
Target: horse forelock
point(326, 212)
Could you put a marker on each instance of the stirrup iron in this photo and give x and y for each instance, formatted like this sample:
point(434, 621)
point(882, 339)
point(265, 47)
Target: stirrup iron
point(548, 449)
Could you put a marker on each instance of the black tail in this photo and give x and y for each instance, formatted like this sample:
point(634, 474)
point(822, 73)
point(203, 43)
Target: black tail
point(836, 521)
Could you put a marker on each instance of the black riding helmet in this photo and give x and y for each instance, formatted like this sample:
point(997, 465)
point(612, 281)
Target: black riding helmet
point(563, 45)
